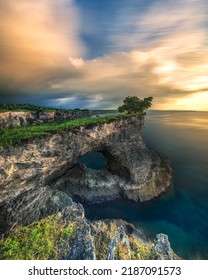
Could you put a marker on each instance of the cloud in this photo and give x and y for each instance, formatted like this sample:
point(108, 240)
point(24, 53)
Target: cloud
point(160, 24)
point(77, 62)
point(113, 77)
point(37, 37)
point(159, 51)
point(191, 58)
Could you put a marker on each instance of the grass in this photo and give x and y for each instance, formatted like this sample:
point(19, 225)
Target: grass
point(139, 249)
point(38, 241)
point(143, 251)
point(122, 252)
point(102, 239)
point(15, 135)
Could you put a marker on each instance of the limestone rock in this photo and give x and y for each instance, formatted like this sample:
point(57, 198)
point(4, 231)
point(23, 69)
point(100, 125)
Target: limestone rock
point(163, 248)
point(10, 119)
point(82, 247)
point(38, 177)
point(119, 240)
point(119, 237)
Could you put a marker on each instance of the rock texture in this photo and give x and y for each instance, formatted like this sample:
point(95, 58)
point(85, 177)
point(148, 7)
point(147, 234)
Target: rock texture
point(119, 240)
point(163, 248)
point(40, 177)
point(43, 177)
point(102, 240)
point(82, 246)
point(9, 119)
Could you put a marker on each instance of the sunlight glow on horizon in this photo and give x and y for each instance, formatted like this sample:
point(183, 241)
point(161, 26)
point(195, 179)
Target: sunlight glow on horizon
point(194, 102)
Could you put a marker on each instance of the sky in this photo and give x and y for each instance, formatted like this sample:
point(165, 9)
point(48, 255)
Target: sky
point(94, 53)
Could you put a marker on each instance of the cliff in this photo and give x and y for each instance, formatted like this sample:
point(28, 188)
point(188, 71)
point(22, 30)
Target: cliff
point(10, 119)
point(43, 176)
point(67, 235)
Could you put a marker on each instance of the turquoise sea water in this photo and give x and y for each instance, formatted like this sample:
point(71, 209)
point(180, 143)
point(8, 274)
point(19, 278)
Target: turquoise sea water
point(182, 212)
point(94, 160)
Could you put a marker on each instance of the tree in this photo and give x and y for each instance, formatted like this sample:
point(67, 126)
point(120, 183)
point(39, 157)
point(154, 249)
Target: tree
point(133, 104)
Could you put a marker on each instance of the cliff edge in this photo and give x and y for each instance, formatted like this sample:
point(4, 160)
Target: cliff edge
point(43, 176)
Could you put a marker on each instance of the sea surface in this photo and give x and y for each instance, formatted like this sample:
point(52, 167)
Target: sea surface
point(182, 212)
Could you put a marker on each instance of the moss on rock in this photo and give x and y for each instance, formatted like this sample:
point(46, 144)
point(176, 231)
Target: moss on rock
point(39, 241)
point(141, 250)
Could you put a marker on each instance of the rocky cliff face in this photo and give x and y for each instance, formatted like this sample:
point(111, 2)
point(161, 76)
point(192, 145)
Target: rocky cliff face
point(43, 176)
point(72, 237)
point(34, 176)
point(10, 119)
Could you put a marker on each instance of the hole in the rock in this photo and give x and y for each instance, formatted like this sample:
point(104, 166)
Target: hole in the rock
point(115, 167)
point(94, 160)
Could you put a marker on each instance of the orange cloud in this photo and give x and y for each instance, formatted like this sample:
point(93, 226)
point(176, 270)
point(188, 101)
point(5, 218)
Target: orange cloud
point(41, 52)
point(37, 37)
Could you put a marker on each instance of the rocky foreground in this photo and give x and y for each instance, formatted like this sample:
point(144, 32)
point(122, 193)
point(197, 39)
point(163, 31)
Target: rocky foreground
point(43, 178)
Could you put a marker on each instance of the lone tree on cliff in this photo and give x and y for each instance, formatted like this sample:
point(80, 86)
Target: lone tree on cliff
point(133, 104)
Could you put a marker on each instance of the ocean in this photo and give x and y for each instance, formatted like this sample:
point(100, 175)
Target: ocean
point(182, 212)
